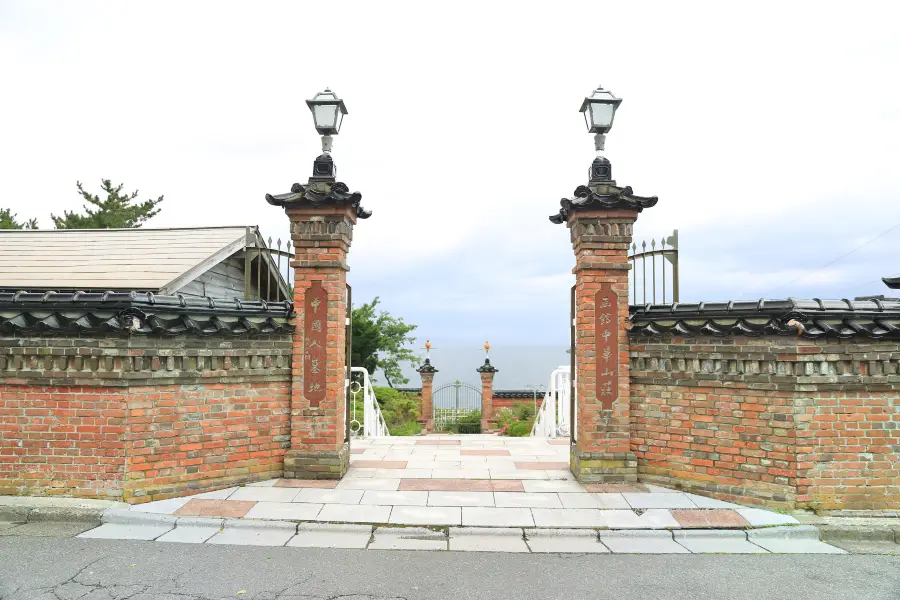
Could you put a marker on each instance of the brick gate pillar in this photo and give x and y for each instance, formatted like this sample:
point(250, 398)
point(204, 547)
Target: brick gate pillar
point(601, 218)
point(322, 215)
point(426, 372)
point(487, 372)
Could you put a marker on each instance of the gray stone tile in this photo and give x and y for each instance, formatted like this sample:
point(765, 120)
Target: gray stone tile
point(654, 500)
point(460, 499)
point(117, 531)
point(552, 486)
point(641, 542)
point(284, 511)
point(484, 516)
point(759, 517)
point(710, 541)
point(565, 540)
point(329, 535)
point(261, 494)
point(526, 500)
point(656, 489)
point(163, 507)
point(704, 502)
point(193, 530)
point(604, 501)
point(425, 515)
point(800, 539)
point(568, 517)
point(353, 513)
point(487, 539)
point(254, 533)
point(649, 519)
point(388, 498)
point(316, 496)
point(408, 538)
point(215, 495)
point(369, 484)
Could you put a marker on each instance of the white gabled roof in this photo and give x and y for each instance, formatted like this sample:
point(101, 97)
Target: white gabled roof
point(156, 260)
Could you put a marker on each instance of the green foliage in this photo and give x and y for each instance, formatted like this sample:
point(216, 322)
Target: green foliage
point(469, 423)
point(516, 421)
point(406, 429)
point(116, 211)
point(381, 341)
point(399, 409)
point(8, 221)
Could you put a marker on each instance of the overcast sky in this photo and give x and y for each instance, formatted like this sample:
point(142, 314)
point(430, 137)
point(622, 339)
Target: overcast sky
point(769, 131)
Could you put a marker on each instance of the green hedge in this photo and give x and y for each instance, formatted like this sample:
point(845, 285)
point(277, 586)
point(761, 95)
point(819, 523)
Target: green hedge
point(516, 421)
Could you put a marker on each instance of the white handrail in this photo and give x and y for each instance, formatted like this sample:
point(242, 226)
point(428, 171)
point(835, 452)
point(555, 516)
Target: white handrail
point(373, 424)
point(552, 420)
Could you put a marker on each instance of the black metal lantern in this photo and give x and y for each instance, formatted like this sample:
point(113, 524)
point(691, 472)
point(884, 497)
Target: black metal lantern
point(328, 111)
point(599, 110)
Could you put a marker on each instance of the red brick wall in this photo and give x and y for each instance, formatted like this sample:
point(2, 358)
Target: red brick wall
point(849, 450)
point(780, 421)
point(62, 440)
point(141, 417)
point(738, 444)
point(188, 438)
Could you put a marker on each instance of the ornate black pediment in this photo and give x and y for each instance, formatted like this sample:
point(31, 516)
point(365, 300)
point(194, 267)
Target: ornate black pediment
point(612, 197)
point(318, 193)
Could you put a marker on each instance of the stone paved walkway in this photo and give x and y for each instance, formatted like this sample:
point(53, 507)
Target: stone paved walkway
point(485, 493)
point(475, 480)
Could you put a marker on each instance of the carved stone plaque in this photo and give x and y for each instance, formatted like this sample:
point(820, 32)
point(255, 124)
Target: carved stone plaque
point(606, 336)
point(315, 338)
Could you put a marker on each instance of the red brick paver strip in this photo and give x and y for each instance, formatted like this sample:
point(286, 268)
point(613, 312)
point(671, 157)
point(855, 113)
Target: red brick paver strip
point(215, 508)
point(616, 488)
point(484, 453)
point(461, 485)
point(321, 484)
point(709, 518)
point(379, 464)
point(437, 442)
point(542, 466)
point(507, 485)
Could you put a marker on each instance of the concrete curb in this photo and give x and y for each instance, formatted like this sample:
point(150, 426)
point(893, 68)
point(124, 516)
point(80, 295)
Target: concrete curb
point(126, 517)
point(795, 532)
point(29, 509)
point(859, 533)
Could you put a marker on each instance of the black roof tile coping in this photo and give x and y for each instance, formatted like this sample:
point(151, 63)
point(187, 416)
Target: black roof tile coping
point(816, 318)
point(140, 313)
point(145, 301)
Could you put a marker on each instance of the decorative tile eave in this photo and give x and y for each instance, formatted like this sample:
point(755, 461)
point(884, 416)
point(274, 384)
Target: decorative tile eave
point(319, 193)
point(139, 313)
point(614, 198)
point(811, 319)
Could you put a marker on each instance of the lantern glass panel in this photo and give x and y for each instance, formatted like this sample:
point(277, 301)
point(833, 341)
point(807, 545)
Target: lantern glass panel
point(601, 115)
point(325, 116)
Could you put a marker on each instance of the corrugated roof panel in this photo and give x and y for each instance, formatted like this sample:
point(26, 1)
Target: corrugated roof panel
point(142, 259)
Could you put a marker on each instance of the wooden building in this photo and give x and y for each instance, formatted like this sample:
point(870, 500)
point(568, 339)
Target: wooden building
point(217, 262)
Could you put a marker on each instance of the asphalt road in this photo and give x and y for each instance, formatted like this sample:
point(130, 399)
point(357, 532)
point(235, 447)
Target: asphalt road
point(66, 568)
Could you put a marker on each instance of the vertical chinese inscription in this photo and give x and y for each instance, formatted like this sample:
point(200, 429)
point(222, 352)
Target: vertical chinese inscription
point(606, 336)
point(315, 337)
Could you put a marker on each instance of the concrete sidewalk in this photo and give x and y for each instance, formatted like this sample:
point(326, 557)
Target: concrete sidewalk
point(473, 492)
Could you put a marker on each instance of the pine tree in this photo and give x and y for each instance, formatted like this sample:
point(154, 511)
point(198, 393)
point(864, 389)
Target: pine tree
point(116, 211)
point(8, 221)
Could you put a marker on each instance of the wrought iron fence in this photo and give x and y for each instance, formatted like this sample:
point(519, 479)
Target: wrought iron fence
point(267, 269)
point(663, 278)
